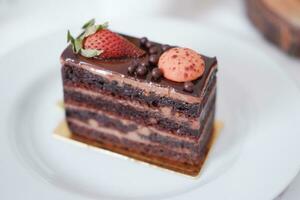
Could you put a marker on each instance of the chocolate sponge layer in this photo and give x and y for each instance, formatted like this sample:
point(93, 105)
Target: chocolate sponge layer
point(128, 112)
point(107, 121)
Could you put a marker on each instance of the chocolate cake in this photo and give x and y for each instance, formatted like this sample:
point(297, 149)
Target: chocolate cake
point(130, 98)
point(279, 22)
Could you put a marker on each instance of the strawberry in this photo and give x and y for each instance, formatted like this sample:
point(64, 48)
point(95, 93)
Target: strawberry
point(112, 45)
point(98, 41)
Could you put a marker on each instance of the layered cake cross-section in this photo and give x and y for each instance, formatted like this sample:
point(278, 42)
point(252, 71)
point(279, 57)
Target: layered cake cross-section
point(142, 99)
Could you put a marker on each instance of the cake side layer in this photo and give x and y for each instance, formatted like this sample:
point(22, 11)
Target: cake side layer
point(78, 76)
point(156, 112)
point(154, 154)
point(147, 118)
point(119, 123)
point(191, 149)
point(138, 136)
point(128, 128)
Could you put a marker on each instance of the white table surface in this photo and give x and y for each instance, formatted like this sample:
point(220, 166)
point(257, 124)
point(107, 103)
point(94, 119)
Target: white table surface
point(21, 21)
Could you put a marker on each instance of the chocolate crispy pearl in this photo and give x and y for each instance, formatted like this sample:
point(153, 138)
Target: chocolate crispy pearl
point(154, 50)
point(143, 41)
point(132, 68)
point(149, 44)
point(145, 63)
point(141, 70)
point(156, 73)
point(153, 59)
point(188, 86)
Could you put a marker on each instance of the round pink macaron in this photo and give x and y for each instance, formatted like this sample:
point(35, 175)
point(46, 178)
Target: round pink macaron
point(181, 64)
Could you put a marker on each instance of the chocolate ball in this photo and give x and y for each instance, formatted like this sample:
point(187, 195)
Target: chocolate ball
point(154, 50)
point(141, 70)
point(156, 73)
point(131, 69)
point(143, 41)
point(149, 44)
point(188, 86)
point(153, 59)
point(165, 47)
point(145, 63)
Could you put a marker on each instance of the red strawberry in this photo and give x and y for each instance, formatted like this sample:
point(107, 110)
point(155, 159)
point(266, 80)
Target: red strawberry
point(112, 44)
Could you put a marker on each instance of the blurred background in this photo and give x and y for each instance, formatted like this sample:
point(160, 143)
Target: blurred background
point(23, 20)
point(38, 17)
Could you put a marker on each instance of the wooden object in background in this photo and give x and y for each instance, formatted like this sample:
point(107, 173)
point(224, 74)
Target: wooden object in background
point(279, 21)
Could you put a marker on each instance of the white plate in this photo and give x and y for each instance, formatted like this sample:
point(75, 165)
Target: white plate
point(255, 156)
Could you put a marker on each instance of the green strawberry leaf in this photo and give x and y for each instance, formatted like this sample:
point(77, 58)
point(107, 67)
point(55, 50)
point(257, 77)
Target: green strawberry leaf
point(77, 44)
point(90, 30)
point(105, 25)
point(69, 37)
point(81, 35)
point(88, 24)
point(93, 29)
point(89, 53)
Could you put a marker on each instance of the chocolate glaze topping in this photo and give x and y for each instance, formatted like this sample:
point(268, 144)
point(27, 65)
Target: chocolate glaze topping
point(121, 66)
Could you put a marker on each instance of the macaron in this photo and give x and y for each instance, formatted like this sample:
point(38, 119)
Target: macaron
point(181, 64)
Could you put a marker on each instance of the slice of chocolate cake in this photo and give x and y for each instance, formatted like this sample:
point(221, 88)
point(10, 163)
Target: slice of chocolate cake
point(152, 102)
